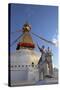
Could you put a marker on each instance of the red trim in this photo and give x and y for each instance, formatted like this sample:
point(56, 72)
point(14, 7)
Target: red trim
point(26, 45)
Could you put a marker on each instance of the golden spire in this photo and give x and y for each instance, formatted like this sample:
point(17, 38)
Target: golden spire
point(26, 40)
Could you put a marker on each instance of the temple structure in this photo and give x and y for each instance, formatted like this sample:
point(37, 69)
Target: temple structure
point(26, 67)
point(45, 64)
point(24, 62)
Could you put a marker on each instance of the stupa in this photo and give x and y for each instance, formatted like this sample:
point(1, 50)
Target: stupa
point(24, 62)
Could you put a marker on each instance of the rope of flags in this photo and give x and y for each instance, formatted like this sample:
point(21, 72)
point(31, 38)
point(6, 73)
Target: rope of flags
point(33, 34)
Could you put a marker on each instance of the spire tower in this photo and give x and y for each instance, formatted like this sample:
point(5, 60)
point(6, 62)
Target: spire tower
point(26, 40)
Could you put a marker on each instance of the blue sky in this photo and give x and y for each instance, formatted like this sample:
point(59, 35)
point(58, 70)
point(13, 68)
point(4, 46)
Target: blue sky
point(43, 20)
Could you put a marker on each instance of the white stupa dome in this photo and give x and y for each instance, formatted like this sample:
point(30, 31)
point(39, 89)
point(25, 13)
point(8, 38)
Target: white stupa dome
point(24, 57)
point(21, 66)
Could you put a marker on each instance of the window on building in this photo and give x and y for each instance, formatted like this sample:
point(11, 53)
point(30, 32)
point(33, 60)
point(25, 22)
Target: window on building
point(12, 66)
point(29, 65)
point(15, 65)
point(26, 65)
point(22, 65)
point(18, 65)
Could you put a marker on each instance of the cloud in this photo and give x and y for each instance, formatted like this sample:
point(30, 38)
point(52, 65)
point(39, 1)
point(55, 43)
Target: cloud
point(55, 66)
point(55, 41)
point(55, 38)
